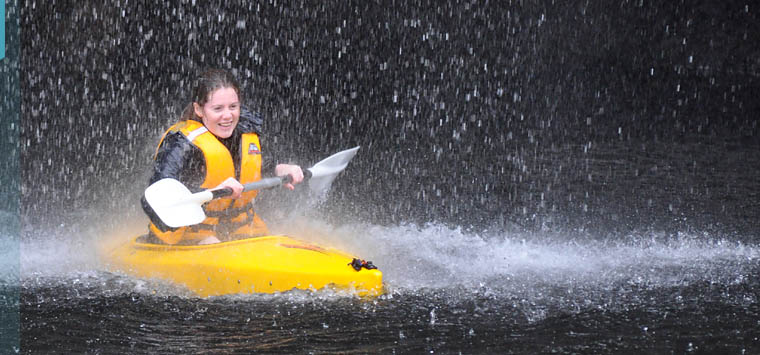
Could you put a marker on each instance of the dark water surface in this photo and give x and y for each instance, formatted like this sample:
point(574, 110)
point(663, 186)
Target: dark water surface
point(700, 317)
point(534, 177)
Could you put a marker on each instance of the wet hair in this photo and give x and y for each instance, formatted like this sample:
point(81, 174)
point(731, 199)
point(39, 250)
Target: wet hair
point(206, 84)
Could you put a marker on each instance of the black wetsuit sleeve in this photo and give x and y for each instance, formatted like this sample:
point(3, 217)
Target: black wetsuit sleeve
point(268, 159)
point(177, 159)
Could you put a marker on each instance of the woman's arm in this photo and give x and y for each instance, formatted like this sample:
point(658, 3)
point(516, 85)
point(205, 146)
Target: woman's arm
point(178, 159)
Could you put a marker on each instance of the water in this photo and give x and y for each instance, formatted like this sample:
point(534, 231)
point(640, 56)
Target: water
point(447, 290)
point(533, 177)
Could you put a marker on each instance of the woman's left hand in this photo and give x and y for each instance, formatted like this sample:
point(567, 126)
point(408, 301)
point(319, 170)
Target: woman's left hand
point(295, 172)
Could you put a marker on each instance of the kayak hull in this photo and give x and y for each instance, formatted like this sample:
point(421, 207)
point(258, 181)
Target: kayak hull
point(265, 264)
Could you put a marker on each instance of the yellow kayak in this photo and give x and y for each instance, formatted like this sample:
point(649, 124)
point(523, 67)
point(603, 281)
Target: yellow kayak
point(264, 264)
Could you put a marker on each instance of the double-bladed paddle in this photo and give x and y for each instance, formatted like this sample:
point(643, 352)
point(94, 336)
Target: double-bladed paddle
point(177, 207)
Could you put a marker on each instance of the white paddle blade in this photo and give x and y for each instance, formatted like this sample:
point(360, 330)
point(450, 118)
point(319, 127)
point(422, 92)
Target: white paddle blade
point(175, 204)
point(324, 172)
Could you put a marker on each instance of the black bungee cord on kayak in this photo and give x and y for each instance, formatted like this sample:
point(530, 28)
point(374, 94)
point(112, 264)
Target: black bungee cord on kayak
point(358, 264)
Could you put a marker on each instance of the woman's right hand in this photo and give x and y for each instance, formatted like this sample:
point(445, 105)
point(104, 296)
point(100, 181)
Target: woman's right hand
point(236, 186)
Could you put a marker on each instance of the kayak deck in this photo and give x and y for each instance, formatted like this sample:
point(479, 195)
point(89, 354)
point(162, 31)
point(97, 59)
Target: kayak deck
point(265, 264)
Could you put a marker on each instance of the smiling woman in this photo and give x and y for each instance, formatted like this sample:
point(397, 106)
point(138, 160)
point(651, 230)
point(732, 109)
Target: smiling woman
point(221, 113)
point(215, 145)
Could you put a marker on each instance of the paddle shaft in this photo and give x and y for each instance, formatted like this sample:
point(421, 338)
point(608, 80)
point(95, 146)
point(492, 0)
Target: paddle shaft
point(265, 183)
point(177, 206)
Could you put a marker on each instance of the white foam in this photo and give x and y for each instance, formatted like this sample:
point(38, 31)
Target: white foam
point(436, 256)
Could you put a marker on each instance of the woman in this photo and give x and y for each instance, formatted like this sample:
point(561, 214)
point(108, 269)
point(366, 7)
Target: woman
point(215, 145)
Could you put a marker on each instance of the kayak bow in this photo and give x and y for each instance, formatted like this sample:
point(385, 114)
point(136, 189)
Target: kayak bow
point(266, 264)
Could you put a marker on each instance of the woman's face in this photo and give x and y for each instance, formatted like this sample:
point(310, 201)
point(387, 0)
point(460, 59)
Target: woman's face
point(221, 113)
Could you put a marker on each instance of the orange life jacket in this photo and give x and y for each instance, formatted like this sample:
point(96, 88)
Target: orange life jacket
point(225, 217)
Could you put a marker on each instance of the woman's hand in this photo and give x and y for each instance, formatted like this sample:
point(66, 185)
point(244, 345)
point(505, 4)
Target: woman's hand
point(236, 186)
point(295, 172)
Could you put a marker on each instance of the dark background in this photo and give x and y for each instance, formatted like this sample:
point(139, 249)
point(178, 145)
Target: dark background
point(593, 116)
point(625, 121)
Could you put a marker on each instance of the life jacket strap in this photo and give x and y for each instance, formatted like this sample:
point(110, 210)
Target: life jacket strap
point(230, 211)
point(195, 133)
point(225, 224)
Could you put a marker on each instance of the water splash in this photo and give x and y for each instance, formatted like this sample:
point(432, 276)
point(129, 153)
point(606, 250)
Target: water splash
point(436, 256)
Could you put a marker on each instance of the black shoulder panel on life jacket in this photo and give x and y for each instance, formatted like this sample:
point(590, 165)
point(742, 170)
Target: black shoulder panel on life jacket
point(250, 121)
